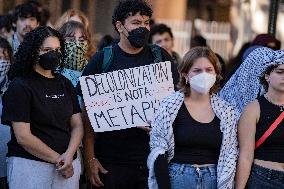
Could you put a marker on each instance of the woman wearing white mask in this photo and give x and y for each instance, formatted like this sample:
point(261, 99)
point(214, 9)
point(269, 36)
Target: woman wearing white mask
point(193, 139)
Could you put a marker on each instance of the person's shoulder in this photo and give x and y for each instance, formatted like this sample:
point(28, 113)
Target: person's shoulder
point(252, 108)
point(176, 57)
point(172, 97)
point(98, 56)
point(165, 55)
point(10, 40)
point(153, 47)
point(63, 79)
point(18, 85)
point(175, 54)
point(94, 64)
point(250, 113)
point(228, 107)
point(19, 81)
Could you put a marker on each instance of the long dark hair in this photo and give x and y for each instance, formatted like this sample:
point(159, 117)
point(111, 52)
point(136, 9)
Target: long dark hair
point(262, 79)
point(4, 44)
point(28, 53)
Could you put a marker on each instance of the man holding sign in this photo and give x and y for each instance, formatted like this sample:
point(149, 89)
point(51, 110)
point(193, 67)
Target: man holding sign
point(126, 98)
point(117, 158)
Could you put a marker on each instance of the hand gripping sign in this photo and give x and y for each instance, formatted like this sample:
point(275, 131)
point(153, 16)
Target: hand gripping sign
point(126, 98)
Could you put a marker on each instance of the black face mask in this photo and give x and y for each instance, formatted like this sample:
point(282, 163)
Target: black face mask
point(138, 37)
point(49, 60)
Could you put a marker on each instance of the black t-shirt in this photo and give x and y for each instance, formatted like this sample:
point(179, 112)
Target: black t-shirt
point(128, 146)
point(195, 142)
point(47, 104)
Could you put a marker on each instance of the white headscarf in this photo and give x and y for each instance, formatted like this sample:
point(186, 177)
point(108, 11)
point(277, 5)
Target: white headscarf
point(244, 85)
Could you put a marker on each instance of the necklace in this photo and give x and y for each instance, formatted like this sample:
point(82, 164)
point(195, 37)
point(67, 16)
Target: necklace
point(269, 100)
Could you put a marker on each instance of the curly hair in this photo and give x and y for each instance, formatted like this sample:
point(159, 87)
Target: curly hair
point(187, 62)
point(160, 29)
point(26, 10)
point(4, 44)
point(43, 10)
point(28, 53)
point(128, 8)
point(6, 21)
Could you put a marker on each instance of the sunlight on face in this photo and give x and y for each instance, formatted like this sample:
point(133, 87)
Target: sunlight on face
point(76, 18)
point(201, 65)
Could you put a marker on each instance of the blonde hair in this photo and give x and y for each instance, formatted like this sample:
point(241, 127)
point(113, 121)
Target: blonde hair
point(66, 17)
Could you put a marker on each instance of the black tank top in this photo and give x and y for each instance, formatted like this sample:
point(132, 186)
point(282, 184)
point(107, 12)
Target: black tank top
point(195, 142)
point(273, 147)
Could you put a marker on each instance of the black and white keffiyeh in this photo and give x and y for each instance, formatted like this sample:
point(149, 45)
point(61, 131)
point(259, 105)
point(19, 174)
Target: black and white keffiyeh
point(244, 85)
point(4, 68)
point(162, 137)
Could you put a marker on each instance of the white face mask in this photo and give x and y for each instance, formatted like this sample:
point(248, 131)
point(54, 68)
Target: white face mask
point(203, 82)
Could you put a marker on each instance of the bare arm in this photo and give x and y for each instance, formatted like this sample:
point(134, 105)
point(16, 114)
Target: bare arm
point(246, 137)
point(33, 144)
point(77, 132)
point(76, 137)
point(89, 136)
point(93, 166)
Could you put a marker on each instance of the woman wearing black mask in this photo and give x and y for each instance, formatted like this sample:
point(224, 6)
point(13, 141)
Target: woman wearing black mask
point(42, 108)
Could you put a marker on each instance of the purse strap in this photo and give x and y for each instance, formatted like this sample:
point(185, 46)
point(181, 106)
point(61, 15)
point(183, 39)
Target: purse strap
point(269, 130)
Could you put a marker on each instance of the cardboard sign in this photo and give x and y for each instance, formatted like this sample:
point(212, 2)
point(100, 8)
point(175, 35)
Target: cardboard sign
point(126, 98)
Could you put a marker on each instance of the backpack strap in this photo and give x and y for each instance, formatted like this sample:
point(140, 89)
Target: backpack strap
point(269, 130)
point(157, 53)
point(108, 58)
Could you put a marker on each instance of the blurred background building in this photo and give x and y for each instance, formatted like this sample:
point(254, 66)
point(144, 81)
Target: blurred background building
point(225, 24)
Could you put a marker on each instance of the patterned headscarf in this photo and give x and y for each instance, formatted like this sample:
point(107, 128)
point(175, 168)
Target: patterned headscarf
point(75, 52)
point(4, 68)
point(244, 86)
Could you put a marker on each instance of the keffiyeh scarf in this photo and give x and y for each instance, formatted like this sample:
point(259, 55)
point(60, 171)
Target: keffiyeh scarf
point(4, 68)
point(162, 137)
point(244, 85)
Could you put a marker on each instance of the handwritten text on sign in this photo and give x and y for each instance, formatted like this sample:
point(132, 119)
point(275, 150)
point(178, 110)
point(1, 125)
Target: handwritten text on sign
point(125, 98)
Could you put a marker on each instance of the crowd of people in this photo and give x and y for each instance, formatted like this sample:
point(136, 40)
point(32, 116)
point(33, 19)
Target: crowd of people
point(222, 127)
